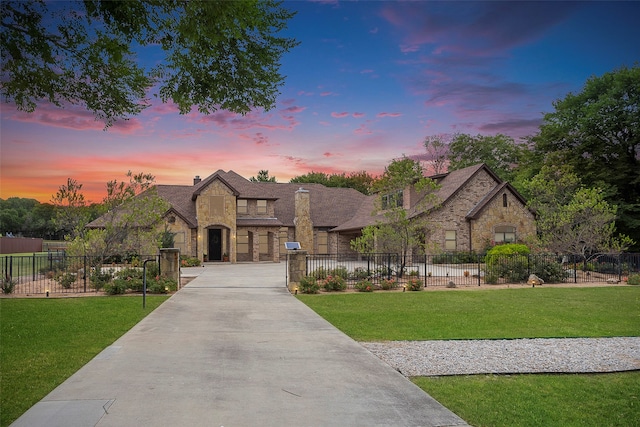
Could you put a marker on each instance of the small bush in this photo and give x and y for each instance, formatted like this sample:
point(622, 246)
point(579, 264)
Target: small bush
point(491, 279)
point(320, 273)
point(66, 279)
point(132, 278)
point(116, 287)
point(161, 285)
point(359, 273)
point(388, 284)
point(8, 285)
point(334, 283)
point(414, 284)
point(414, 273)
point(187, 261)
point(100, 277)
point(549, 271)
point(634, 279)
point(309, 285)
point(364, 286)
point(340, 271)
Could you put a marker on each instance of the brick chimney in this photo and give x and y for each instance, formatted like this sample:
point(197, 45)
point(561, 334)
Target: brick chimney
point(196, 180)
point(302, 220)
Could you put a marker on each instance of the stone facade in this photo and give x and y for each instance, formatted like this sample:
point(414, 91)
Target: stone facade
point(302, 220)
point(216, 210)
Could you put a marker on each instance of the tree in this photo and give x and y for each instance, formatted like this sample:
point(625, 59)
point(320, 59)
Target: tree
point(71, 215)
point(597, 131)
point(360, 181)
point(399, 229)
point(571, 218)
point(437, 148)
point(216, 54)
point(500, 153)
point(133, 210)
point(263, 176)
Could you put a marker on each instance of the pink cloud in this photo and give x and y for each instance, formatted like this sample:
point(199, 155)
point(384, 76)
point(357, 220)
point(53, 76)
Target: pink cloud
point(71, 117)
point(339, 115)
point(358, 115)
point(327, 93)
point(367, 71)
point(380, 115)
point(294, 109)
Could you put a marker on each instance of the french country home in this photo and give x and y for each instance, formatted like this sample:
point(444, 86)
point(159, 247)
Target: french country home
point(227, 217)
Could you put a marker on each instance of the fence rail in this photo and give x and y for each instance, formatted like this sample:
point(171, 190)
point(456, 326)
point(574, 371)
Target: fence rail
point(465, 269)
point(55, 272)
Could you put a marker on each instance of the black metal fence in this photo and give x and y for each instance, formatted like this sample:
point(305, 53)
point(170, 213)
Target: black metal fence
point(469, 269)
point(55, 272)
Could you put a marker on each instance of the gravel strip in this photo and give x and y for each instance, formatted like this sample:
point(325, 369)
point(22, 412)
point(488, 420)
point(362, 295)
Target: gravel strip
point(538, 355)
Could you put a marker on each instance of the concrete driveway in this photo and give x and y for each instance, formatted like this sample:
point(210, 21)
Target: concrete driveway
point(234, 348)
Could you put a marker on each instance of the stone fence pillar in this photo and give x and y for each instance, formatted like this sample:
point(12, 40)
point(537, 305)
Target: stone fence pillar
point(170, 264)
point(297, 268)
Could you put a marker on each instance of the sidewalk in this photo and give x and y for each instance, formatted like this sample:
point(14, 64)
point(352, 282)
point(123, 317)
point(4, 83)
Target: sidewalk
point(234, 348)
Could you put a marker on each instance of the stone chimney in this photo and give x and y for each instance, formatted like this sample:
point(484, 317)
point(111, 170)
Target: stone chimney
point(196, 180)
point(302, 220)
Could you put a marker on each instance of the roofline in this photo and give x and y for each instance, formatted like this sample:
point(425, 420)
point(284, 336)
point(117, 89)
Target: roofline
point(205, 183)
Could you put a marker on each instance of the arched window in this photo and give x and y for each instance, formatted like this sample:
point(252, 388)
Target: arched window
point(505, 234)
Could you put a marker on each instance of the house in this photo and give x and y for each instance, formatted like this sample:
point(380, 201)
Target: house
point(226, 215)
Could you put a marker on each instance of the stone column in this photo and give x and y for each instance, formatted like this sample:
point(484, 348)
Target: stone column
point(170, 264)
point(302, 220)
point(297, 268)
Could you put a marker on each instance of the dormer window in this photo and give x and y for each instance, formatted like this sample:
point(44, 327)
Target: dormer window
point(390, 201)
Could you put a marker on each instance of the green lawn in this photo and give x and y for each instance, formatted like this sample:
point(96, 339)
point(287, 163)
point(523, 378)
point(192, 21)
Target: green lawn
point(43, 341)
point(506, 400)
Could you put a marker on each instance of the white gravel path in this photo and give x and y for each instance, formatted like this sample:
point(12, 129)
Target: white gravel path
point(538, 355)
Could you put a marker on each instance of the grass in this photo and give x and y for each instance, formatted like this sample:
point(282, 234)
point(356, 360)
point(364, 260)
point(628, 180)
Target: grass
point(578, 400)
point(44, 341)
point(509, 313)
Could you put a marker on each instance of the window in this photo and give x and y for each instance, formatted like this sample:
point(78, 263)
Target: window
point(242, 242)
point(262, 207)
point(504, 200)
point(505, 234)
point(450, 240)
point(264, 242)
point(390, 201)
point(242, 206)
point(323, 242)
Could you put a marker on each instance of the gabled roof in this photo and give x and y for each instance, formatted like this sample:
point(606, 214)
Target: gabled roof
point(477, 210)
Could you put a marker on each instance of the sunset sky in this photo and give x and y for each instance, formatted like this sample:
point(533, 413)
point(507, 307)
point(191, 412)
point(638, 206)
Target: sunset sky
point(369, 81)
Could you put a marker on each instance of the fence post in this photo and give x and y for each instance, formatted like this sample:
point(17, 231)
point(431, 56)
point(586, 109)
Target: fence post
point(389, 266)
point(478, 262)
point(425, 270)
point(33, 267)
point(84, 268)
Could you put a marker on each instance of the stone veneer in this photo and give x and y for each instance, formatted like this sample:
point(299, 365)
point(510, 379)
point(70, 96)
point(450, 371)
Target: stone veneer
point(216, 208)
point(302, 220)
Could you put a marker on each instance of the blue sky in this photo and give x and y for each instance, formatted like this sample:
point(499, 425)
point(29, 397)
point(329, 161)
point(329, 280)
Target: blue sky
point(368, 82)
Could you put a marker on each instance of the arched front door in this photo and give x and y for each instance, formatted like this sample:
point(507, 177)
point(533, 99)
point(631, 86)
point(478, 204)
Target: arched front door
point(215, 244)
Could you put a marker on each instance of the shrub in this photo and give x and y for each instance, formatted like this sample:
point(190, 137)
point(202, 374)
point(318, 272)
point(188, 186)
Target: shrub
point(364, 286)
point(116, 287)
point(491, 279)
point(455, 258)
point(340, 271)
point(66, 279)
point(334, 283)
point(388, 284)
point(8, 285)
point(414, 273)
point(187, 261)
point(634, 279)
point(320, 273)
point(414, 284)
point(549, 271)
point(508, 261)
point(359, 273)
point(309, 285)
point(161, 285)
point(99, 277)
